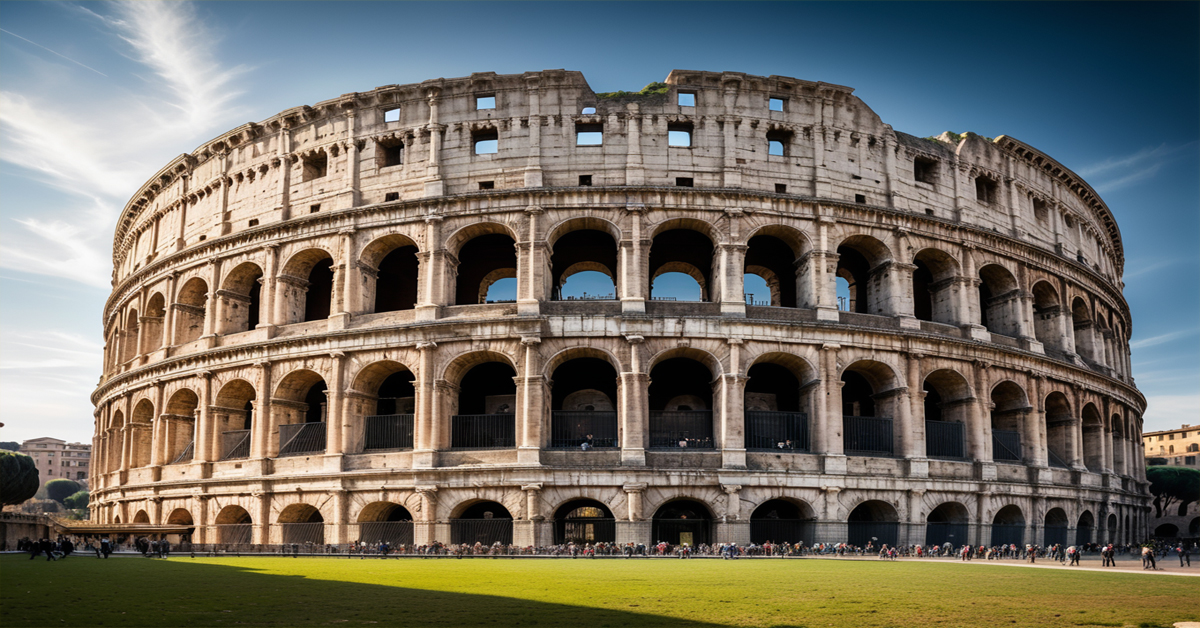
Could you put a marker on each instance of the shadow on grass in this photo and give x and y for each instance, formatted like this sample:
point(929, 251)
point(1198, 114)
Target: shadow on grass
point(83, 591)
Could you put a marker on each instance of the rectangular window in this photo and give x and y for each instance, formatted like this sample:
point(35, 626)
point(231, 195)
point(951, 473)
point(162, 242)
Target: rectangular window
point(391, 154)
point(486, 142)
point(775, 104)
point(1170, 437)
point(312, 209)
point(589, 134)
point(585, 180)
point(391, 115)
point(254, 222)
point(1039, 209)
point(925, 170)
point(485, 102)
point(775, 147)
point(860, 198)
point(1189, 460)
point(781, 188)
point(487, 185)
point(679, 134)
point(778, 142)
point(391, 196)
point(928, 211)
point(687, 99)
point(985, 190)
point(315, 166)
point(683, 182)
point(588, 110)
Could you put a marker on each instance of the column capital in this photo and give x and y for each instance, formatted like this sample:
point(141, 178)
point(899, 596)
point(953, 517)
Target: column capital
point(731, 489)
point(529, 488)
point(425, 346)
point(534, 210)
point(636, 487)
point(831, 346)
point(531, 341)
point(831, 490)
point(634, 340)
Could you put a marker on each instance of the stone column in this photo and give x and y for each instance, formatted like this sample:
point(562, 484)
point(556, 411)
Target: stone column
point(262, 519)
point(533, 165)
point(340, 532)
point(912, 438)
point(261, 436)
point(1035, 426)
point(335, 428)
point(732, 528)
point(634, 410)
point(212, 308)
point(525, 529)
point(532, 407)
point(1076, 431)
point(352, 157)
point(830, 527)
point(633, 528)
point(348, 304)
point(283, 161)
point(200, 508)
point(531, 267)
point(634, 172)
point(732, 280)
point(158, 433)
point(202, 448)
point(424, 456)
point(828, 427)
point(981, 423)
point(732, 417)
point(635, 255)
point(824, 268)
point(431, 287)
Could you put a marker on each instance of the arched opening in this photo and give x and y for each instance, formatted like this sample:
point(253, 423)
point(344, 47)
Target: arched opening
point(583, 266)
point(775, 404)
point(947, 408)
point(875, 523)
point(1194, 527)
point(866, 415)
point(1118, 444)
point(782, 521)
point(482, 262)
point(675, 255)
point(861, 265)
point(233, 417)
point(681, 414)
point(152, 322)
point(130, 349)
point(179, 517)
point(486, 408)
point(1009, 409)
point(1056, 527)
point(999, 301)
point(141, 517)
point(1166, 531)
point(302, 524)
point(317, 300)
point(682, 522)
point(396, 277)
point(1085, 332)
point(189, 310)
point(302, 419)
point(773, 261)
point(1093, 439)
point(948, 523)
point(482, 523)
point(390, 426)
point(1058, 430)
point(583, 411)
point(306, 286)
point(180, 434)
point(1008, 527)
point(240, 299)
point(934, 288)
point(142, 434)
point(584, 521)
point(1085, 528)
point(1112, 528)
point(234, 526)
point(1047, 312)
point(385, 522)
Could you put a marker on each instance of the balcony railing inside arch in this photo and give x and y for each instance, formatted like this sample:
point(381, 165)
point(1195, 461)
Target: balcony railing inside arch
point(681, 429)
point(387, 431)
point(297, 439)
point(235, 444)
point(1006, 446)
point(945, 439)
point(571, 429)
point(186, 454)
point(1055, 460)
point(483, 431)
point(867, 436)
point(776, 431)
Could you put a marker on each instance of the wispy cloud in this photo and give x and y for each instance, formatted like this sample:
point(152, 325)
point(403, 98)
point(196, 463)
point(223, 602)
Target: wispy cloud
point(1140, 270)
point(1118, 172)
point(1162, 338)
point(55, 53)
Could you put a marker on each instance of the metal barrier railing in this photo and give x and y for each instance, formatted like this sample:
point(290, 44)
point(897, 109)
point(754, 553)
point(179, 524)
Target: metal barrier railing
point(585, 530)
point(1008, 534)
point(1055, 460)
point(483, 431)
point(781, 531)
point(945, 439)
point(681, 429)
point(388, 431)
point(484, 531)
point(235, 444)
point(876, 532)
point(186, 454)
point(234, 533)
point(296, 439)
point(302, 533)
point(390, 532)
point(867, 435)
point(682, 531)
point(780, 431)
point(1056, 534)
point(1006, 446)
point(571, 428)
point(940, 533)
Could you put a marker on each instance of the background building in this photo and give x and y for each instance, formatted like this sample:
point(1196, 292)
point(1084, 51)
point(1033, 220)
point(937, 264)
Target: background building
point(1181, 447)
point(59, 459)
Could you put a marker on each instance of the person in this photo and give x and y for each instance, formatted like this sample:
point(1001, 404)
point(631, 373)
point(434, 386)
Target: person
point(1148, 558)
point(1073, 552)
point(48, 547)
point(35, 548)
point(164, 548)
point(105, 547)
point(1179, 550)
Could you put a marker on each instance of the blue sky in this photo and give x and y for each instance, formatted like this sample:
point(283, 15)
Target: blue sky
point(96, 97)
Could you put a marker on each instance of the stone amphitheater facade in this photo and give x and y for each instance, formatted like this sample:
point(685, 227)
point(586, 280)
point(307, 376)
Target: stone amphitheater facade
point(299, 343)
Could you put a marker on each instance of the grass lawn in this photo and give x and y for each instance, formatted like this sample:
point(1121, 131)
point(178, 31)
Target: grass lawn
point(126, 591)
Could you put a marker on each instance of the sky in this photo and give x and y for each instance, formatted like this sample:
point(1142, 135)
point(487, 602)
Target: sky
point(95, 97)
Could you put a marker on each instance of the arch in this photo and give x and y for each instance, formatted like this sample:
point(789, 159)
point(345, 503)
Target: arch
point(456, 368)
point(301, 386)
point(948, 523)
point(1084, 329)
point(572, 353)
point(774, 260)
point(183, 402)
point(232, 515)
point(295, 385)
point(370, 377)
point(1166, 531)
point(1008, 526)
point(234, 412)
point(383, 511)
point(934, 286)
point(582, 223)
point(868, 407)
point(481, 522)
point(1093, 438)
point(492, 278)
point(394, 285)
point(301, 524)
point(1112, 528)
point(385, 522)
point(152, 335)
point(180, 517)
point(947, 405)
point(1059, 421)
point(1084, 528)
point(999, 305)
point(684, 246)
point(682, 521)
point(794, 238)
point(391, 384)
point(681, 402)
point(776, 405)
point(235, 393)
point(190, 304)
point(1010, 407)
point(860, 260)
point(582, 250)
point(680, 268)
point(583, 402)
point(487, 387)
point(374, 252)
point(486, 257)
point(873, 522)
point(241, 298)
point(703, 227)
point(141, 440)
point(781, 520)
point(1055, 531)
point(583, 520)
point(180, 414)
point(459, 239)
point(141, 517)
point(1047, 312)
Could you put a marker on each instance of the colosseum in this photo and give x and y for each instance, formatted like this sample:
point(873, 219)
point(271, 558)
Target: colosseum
point(313, 335)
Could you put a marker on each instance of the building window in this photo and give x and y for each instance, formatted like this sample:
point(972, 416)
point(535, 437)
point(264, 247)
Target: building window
point(985, 190)
point(588, 110)
point(778, 142)
point(925, 170)
point(1170, 437)
point(1039, 209)
point(391, 196)
point(589, 134)
point(1189, 460)
point(683, 182)
point(687, 99)
point(253, 222)
point(486, 141)
point(390, 154)
point(391, 115)
point(679, 134)
point(485, 102)
point(781, 188)
point(312, 209)
point(775, 104)
point(585, 180)
point(860, 198)
point(316, 166)
point(487, 185)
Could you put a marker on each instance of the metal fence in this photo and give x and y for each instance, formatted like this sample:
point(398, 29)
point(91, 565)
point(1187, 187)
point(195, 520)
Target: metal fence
point(876, 532)
point(569, 428)
point(390, 532)
point(186, 454)
point(940, 533)
point(483, 431)
point(781, 531)
point(1006, 445)
point(784, 431)
point(302, 533)
point(296, 439)
point(1056, 534)
point(682, 429)
point(234, 533)
point(691, 532)
point(1008, 534)
point(235, 444)
point(867, 435)
point(1055, 460)
point(1083, 534)
point(388, 431)
point(585, 530)
point(485, 531)
point(945, 439)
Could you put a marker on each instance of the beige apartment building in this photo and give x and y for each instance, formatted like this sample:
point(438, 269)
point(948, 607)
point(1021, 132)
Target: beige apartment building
point(1181, 447)
point(59, 459)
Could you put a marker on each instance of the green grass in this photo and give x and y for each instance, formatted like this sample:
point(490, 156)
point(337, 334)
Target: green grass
point(84, 591)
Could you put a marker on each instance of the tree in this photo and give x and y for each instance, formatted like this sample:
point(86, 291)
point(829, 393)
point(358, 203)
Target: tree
point(62, 488)
point(18, 478)
point(78, 501)
point(1173, 484)
point(10, 445)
